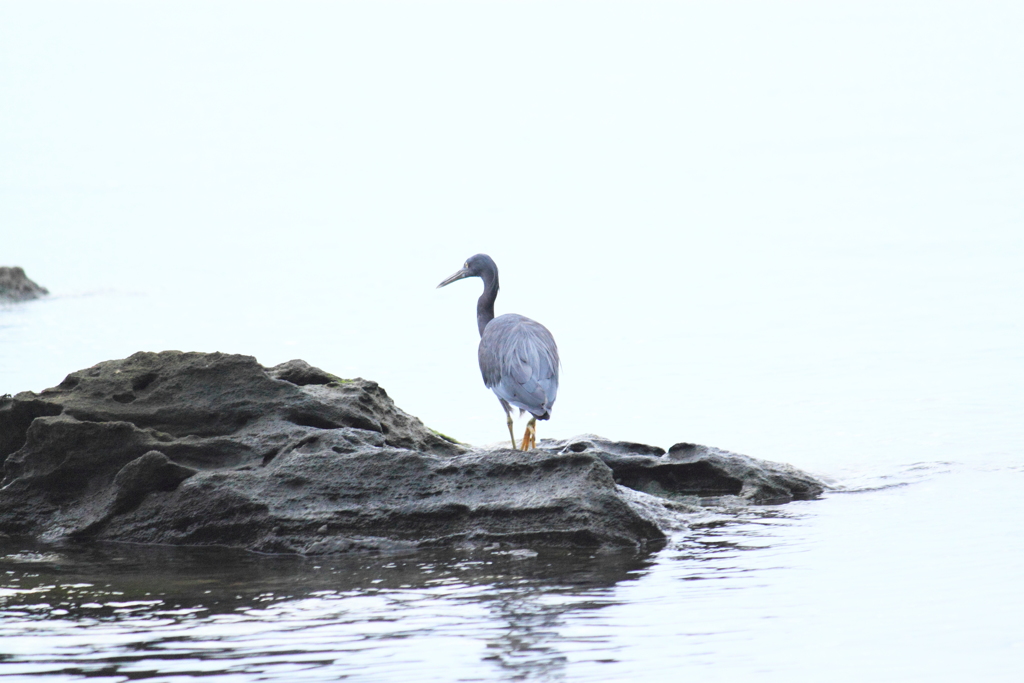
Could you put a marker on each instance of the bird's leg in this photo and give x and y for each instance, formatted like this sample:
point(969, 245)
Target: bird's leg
point(510, 432)
point(530, 435)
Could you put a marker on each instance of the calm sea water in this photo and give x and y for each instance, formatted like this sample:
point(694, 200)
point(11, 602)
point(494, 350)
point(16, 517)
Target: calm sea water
point(787, 230)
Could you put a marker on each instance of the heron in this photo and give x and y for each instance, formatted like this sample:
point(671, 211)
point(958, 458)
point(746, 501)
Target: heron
point(518, 356)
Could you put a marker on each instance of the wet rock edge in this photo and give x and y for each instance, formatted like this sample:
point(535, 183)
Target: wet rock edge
point(214, 449)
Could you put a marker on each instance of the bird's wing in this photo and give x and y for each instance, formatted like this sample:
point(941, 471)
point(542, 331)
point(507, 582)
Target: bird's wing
point(519, 362)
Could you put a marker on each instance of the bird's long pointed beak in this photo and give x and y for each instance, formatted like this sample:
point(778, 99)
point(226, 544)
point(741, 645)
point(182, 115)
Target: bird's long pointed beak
point(456, 276)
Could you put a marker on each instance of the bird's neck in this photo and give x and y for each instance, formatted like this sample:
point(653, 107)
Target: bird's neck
point(485, 304)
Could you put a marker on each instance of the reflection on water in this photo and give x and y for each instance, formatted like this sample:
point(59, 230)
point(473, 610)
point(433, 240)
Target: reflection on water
point(137, 612)
point(774, 593)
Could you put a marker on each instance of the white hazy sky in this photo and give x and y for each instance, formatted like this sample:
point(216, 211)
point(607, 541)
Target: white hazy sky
point(791, 229)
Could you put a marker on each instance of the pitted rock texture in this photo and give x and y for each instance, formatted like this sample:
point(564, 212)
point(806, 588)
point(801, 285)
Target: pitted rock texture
point(692, 470)
point(215, 449)
point(15, 285)
point(193, 448)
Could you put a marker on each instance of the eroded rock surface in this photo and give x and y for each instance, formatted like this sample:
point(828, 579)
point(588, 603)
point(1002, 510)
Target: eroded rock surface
point(15, 285)
point(201, 449)
point(692, 470)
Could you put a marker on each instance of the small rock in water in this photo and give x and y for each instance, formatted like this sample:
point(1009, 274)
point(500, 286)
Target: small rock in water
point(15, 285)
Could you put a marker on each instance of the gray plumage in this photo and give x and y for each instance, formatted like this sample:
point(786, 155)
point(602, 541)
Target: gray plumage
point(518, 356)
point(519, 362)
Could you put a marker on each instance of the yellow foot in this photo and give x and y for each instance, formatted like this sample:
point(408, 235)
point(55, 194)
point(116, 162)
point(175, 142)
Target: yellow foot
point(530, 435)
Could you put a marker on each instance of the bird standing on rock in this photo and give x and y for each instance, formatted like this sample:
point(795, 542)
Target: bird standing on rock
point(518, 356)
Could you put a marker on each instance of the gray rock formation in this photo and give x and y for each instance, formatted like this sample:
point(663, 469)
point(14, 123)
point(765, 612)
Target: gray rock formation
point(15, 285)
point(688, 470)
point(214, 449)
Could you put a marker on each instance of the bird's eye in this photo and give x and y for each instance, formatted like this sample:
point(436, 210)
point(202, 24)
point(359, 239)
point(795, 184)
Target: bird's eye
point(466, 264)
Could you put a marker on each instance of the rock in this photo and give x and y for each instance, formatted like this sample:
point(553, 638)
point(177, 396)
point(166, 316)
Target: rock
point(693, 470)
point(153, 471)
point(214, 449)
point(15, 285)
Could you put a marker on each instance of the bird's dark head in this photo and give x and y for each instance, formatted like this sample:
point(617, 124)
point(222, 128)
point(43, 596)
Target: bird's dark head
point(480, 265)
